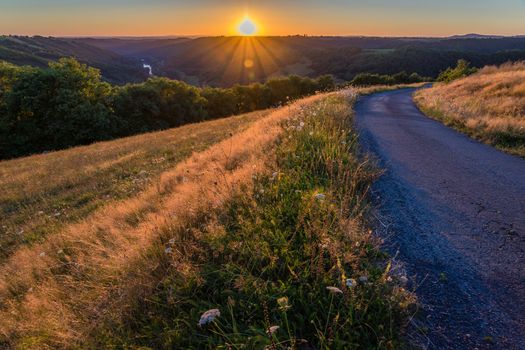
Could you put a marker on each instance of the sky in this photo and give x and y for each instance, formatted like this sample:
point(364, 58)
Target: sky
point(272, 17)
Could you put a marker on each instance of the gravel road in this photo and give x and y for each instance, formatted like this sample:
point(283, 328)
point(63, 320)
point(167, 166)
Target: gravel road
point(455, 211)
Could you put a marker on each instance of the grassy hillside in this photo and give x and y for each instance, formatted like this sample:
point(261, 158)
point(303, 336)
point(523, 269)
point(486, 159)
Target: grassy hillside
point(489, 106)
point(264, 230)
point(38, 51)
point(40, 194)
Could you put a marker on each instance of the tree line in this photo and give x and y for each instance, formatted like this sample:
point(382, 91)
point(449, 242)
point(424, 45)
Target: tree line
point(68, 104)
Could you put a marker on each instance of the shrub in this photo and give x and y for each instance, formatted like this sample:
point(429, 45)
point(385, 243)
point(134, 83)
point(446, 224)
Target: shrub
point(56, 108)
point(368, 79)
point(461, 70)
point(158, 103)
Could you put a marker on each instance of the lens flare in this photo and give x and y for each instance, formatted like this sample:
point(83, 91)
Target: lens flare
point(247, 27)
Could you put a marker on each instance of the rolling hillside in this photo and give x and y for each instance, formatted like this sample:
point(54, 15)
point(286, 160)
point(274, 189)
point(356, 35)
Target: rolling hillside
point(43, 193)
point(259, 232)
point(223, 61)
point(38, 51)
point(489, 105)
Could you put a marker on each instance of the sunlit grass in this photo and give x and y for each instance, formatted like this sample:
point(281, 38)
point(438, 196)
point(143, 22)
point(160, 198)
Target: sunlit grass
point(286, 263)
point(489, 106)
point(41, 194)
point(261, 239)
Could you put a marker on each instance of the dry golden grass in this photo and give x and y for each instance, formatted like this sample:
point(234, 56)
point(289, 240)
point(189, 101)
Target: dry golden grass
point(55, 292)
point(42, 193)
point(489, 105)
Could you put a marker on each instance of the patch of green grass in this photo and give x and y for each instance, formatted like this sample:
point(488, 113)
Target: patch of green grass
point(288, 262)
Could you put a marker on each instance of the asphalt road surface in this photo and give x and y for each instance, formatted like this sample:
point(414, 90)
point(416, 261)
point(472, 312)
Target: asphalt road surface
point(455, 211)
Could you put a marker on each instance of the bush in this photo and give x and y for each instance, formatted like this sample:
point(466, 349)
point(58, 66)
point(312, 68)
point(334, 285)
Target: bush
point(60, 107)
point(158, 103)
point(368, 79)
point(461, 70)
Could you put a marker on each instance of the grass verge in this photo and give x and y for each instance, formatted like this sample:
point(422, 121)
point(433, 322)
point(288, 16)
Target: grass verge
point(488, 106)
point(507, 142)
point(285, 262)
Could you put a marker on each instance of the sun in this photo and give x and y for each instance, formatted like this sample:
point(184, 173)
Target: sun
point(247, 27)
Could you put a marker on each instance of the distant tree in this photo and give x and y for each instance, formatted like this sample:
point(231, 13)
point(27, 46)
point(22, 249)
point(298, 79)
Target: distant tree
point(220, 102)
point(62, 106)
point(368, 79)
point(325, 83)
point(158, 103)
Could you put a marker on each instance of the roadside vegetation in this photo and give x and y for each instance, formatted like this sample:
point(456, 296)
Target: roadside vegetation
point(259, 241)
point(488, 105)
point(370, 79)
point(40, 194)
point(68, 104)
point(462, 70)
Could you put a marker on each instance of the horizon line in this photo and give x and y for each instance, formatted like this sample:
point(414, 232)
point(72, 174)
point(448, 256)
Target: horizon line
point(196, 36)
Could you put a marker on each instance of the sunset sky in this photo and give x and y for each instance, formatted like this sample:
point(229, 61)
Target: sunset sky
point(273, 17)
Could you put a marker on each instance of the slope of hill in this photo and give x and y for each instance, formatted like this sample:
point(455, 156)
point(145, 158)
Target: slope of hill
point(274, 248)
point(38, 51)
point(489, 105)
point(42, 193)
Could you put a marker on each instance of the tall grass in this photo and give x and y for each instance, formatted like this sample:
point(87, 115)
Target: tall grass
point(53, 293)
point(286, 261)
point(43, 193)
point(489, 105)
point(266, 228)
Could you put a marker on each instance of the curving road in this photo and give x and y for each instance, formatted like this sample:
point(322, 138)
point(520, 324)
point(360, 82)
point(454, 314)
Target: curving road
point(456, 212)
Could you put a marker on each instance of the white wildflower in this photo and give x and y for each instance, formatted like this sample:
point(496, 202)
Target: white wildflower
point(168, 250)
point(301, 124)
point(42, 254)
point(334, 290)
point(350, 283)
point(403, 280)
point(172, 241)
point(320, 196)
point(209, 316)
point(272, 330)
point(363, 279)
point(275, 174)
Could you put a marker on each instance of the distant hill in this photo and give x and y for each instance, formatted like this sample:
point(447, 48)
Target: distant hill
point(225, 61)
point(476, 36)
point(38, 51)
